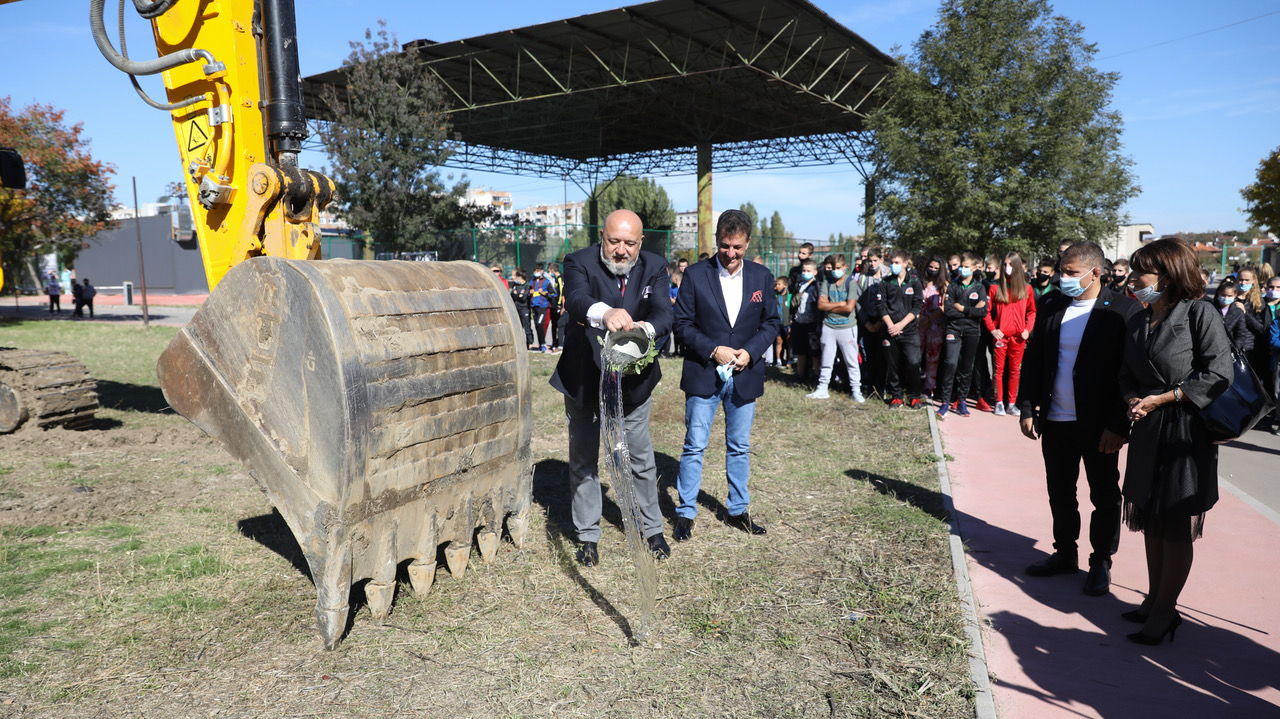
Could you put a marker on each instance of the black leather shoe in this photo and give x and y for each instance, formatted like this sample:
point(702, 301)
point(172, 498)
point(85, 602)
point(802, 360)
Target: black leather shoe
point(683, 530)
point(1054, 564)
point(589, 555)
point(658, 544)
point(743, 522)
point(1098, 582)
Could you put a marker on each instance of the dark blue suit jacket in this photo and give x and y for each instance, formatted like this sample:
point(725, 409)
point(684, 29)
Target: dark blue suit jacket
point(702, 324)
point(648, 298)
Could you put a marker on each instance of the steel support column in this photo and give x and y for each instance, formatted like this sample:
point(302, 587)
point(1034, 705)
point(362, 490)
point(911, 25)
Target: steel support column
point(706, 229)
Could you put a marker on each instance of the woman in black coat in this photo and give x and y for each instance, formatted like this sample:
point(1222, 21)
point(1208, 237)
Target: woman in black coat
point(1177, 359)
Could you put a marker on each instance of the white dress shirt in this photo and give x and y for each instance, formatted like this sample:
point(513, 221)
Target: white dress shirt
point(732, 287)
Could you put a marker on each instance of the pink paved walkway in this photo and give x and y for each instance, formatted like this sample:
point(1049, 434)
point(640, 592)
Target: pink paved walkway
point(1054, 652)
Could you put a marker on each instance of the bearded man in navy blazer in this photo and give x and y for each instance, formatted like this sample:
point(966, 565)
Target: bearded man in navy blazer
point(611, 286)
point(726, 317)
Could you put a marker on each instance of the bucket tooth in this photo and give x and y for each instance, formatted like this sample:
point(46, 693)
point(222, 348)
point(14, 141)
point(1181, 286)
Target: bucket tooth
point(518, 526)
point(422, 575)
point(331, 623)
point(379, 596)
point(374, 402)
point(488, 542)
point(456, 556)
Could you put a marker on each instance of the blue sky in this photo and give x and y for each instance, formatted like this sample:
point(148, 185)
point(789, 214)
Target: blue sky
point(1200, 110)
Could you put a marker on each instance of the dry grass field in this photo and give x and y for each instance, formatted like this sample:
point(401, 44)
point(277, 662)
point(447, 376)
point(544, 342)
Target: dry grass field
point(142, 573)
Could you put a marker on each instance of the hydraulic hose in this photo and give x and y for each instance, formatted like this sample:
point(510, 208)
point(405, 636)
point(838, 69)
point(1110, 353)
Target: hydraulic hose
point(152, 10)
point(124, 50)
point(148, 67)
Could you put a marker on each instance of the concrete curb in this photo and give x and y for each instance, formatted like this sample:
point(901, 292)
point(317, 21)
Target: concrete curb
point(1248, 499)
point(984, 703)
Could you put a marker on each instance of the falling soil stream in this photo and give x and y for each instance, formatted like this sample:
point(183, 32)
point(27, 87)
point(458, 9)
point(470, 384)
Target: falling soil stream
point(618, 464)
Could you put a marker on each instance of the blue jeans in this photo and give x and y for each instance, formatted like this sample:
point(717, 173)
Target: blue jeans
point(698, 413)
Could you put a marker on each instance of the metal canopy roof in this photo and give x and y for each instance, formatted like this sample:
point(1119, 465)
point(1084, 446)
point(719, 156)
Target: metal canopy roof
point(769, 83)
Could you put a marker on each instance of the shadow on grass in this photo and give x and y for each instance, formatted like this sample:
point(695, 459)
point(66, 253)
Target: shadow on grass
point(132, 397)
point(928, 501)
point(272, 532)
point(551, 492)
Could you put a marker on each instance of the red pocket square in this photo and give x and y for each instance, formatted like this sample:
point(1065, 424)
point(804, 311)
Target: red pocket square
point(757, 296)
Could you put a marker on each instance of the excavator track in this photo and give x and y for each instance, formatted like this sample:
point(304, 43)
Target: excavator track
point(44, 389)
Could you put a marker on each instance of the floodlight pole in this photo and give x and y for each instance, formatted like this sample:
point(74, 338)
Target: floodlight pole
point(706, 232)
point(142, 273)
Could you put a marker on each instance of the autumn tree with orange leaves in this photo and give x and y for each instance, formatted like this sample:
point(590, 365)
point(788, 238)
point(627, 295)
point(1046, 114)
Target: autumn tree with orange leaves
point(68, 196)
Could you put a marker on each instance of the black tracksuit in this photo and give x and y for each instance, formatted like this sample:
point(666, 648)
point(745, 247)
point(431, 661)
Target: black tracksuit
point(963, 332)
point(897, 298)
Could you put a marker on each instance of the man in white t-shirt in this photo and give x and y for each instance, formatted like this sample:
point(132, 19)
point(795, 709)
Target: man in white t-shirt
point(1070, 399)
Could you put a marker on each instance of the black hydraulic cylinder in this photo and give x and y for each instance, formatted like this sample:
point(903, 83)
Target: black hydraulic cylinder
point(286, 116)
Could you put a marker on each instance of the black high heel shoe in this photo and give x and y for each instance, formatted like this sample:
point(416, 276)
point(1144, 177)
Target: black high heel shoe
point(1137, 616)
point(1140, 638)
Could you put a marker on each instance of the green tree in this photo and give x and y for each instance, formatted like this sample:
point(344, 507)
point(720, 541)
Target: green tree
point(386, 142)
point(68, 196)
point(1262, 198)
point(646, 198)
point(997, 134)
point(751, 211)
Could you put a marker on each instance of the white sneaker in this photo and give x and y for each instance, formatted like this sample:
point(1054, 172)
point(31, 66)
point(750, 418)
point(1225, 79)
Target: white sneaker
point(818, 394)
point(999, 409)
point(1014, 411)
point(857, 397)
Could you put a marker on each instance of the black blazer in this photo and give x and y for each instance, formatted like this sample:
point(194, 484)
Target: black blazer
point(648, 298)
point(1099, 404)
point(702, 324)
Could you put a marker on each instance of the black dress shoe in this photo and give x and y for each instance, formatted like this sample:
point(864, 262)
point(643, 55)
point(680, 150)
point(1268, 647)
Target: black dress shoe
point(1148, 640)
point(589, 555)
point(1054, 564)
point(658, 545)
point(743, 522)
point(1098, 582)
point(683, 530)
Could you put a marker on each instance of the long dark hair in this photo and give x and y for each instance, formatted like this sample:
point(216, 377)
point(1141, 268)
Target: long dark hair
point(1012, 286)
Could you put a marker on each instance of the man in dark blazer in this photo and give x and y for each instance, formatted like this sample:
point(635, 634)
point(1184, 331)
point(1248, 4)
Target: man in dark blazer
point(611, 286)
point(726, 317)
point(1070, 399)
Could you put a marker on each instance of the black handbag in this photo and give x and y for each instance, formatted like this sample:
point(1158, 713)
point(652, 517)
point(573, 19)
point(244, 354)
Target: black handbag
point(1238, 409)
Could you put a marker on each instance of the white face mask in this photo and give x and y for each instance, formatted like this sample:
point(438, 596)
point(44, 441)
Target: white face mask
point(1008, 269)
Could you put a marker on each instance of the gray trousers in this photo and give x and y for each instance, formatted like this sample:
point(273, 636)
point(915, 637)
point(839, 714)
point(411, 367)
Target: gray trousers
point(584, 469)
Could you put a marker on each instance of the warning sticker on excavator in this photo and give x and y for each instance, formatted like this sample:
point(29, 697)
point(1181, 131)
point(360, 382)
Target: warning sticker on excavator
point(197, 133)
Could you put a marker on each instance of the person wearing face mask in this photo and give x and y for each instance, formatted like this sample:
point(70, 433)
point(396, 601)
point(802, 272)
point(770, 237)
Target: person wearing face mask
point(1120, 276)
point(965, 307)
point(1252, 300)
point(932, 321)
point(804, 320)
point(1273, 343)
point(803, 254)
point(1177, 360)
point(837, 300)
point(542, 296)
point(1070, 400)
point(1010, 319)
point(953, 268)
point(1041, 284)
point(900, 300)
point(1233, 317)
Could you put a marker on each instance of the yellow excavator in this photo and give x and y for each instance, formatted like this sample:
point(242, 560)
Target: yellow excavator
point(383, 406)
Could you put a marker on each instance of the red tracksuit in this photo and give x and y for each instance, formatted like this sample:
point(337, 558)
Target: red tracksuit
point(1012, 319)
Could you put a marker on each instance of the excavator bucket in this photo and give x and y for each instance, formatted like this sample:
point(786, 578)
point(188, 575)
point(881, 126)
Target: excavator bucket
point(384, 408)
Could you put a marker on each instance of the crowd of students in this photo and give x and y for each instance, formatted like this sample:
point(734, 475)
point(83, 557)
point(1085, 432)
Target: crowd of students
point(906, 329)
